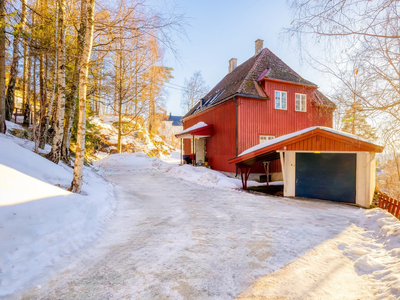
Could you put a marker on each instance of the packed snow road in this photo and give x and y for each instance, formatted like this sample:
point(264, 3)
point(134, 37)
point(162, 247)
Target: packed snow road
point(171, 239)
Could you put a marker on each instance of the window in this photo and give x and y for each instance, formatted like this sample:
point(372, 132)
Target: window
point(264, 138)
point(280, 100)
point(301, 104)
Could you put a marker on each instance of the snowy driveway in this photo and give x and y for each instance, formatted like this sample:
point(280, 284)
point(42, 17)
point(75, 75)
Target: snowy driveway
point(170, 239)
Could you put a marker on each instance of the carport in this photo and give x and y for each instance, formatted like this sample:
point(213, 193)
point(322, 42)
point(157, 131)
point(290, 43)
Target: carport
point(320, 163)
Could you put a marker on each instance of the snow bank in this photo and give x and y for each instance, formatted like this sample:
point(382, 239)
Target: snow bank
point(203, 176)
point(379, 255)
point(40, 223)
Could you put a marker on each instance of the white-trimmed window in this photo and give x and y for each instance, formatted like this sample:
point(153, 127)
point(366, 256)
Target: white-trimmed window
point(280, 100)
point(264, 138)
point(301, 102)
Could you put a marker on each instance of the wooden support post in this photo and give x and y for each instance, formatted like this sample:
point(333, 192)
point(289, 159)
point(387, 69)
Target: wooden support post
point(244, 174)
point(266, 170)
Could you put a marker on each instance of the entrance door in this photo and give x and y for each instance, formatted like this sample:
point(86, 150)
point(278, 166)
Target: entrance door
point(328, 176)
point(199, 145)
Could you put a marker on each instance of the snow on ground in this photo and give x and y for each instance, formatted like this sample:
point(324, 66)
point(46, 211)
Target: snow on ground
point(372, 240)
point(42, 225)
point(140, 162)
point(377, 255)
point(171, 239)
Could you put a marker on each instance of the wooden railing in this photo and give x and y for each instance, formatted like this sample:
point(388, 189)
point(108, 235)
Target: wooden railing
point(390, 204)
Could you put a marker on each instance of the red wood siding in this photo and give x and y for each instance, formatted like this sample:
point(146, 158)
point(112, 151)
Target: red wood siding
point(322, 143)
point(256, 117)
point(221, 145)
point(259, 117)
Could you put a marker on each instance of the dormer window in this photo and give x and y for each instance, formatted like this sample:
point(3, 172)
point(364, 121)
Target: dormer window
point(280, 100)
point(301, 102)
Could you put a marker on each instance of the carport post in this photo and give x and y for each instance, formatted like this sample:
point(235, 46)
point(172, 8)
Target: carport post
point(245, 176)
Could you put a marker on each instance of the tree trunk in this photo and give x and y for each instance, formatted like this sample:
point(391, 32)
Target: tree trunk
point(76, 184)
point(55, 153)
point(14, 65)
point(27, 111)
point(35, 137)
point(25, 97)
point(43, 101)
point(70, 104)
point(2, 68)
point(53, 93)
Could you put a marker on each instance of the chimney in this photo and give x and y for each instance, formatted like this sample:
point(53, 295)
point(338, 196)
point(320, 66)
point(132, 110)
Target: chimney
point(259, 46)
point(232, 64)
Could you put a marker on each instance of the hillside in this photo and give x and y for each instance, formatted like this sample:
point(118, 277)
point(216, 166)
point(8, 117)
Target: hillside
point(135, 137)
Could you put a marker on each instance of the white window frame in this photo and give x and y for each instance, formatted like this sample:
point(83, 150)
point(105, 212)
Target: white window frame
point(280, 100)
point(302, 97)
point(267, 138)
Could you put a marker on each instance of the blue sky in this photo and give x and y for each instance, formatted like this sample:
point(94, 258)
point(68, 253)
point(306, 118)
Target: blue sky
point(220, 30)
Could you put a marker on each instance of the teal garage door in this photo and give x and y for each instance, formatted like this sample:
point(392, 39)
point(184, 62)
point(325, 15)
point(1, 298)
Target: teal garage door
point(327, 176)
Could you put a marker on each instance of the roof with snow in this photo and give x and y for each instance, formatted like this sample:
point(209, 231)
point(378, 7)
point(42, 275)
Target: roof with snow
point(199, 129)
point(316, 138)
point(245, 80)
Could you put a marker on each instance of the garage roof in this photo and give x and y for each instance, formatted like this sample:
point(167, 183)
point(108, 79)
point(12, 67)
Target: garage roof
point(317, 138)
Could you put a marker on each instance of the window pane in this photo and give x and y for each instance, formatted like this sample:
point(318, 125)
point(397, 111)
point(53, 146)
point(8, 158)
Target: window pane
point(277, 100)
point(283, 105)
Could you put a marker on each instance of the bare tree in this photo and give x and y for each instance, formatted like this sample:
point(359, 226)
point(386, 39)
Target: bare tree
point(195, 88)
point(76, 184)
point(55, 153)
point(358, 46)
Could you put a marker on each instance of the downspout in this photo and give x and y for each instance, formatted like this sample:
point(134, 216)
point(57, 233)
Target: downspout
point(181, 151)
point(193, 153)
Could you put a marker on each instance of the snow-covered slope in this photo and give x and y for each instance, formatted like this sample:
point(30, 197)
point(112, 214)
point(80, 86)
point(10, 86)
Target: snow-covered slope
point(41, 223)
point(135, 137)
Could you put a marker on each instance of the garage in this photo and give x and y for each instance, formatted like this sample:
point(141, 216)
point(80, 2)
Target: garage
point(318, 175)
point(319, 163)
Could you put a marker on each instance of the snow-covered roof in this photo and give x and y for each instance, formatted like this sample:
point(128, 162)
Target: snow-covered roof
point(300, 132)
point(196, 126)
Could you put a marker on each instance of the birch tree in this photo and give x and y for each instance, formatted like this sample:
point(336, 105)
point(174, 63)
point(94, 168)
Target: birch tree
point(59, 121)
point(76, 184)
point(70, 105)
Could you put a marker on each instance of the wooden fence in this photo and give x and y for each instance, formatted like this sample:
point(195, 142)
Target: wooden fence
point(390, 204)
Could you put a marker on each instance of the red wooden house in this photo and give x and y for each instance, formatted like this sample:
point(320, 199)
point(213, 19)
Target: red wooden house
point(261, 99)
